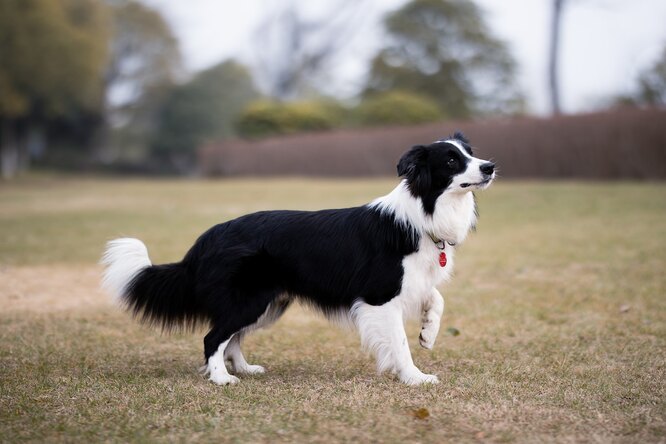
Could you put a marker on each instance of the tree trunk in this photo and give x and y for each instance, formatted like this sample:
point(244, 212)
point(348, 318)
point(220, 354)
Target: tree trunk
point(554, 50)
point(9, 150)
point(35, 145)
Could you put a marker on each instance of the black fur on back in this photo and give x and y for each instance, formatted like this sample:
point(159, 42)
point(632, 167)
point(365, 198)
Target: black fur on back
point(328, 258)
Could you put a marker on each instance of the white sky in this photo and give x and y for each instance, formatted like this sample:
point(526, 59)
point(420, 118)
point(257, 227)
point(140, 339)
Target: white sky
point(605, 43)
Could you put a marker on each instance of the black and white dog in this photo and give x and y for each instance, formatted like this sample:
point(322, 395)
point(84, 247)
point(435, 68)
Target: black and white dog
point(374, 265)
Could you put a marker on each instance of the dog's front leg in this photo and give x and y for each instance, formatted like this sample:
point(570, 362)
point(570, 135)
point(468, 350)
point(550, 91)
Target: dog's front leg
point(432, 316)
point(382, 331)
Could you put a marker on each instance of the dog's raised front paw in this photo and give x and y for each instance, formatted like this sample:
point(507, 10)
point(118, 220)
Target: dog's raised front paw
point(426, 340)
point(428, 335)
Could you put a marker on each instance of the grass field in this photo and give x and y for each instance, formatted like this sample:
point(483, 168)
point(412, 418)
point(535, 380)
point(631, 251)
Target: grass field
point(559, 299)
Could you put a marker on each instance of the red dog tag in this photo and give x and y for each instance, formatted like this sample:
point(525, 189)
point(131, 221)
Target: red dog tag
point(442, 259)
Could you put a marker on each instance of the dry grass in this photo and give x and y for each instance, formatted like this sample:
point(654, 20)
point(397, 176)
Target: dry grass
point(560, 300)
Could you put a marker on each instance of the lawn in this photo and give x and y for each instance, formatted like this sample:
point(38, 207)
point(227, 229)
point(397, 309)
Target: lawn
point(559, 299)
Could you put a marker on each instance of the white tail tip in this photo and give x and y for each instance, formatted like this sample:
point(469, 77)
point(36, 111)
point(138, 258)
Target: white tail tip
point(123, 258)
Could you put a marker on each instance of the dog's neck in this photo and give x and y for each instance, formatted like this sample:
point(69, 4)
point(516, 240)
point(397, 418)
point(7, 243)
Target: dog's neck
point(453, 218)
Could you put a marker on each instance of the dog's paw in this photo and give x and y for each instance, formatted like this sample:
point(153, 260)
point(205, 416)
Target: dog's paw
point(428, 335)
point(224, 379)
point(250, 370)
point(427, 340)
point(417, 378)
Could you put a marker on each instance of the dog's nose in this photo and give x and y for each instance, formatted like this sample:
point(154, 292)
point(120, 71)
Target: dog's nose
point(487, 168)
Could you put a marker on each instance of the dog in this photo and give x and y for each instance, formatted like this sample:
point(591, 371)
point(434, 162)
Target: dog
point(374, 265)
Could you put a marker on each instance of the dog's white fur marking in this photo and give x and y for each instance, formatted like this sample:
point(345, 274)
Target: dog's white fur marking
point(432, 314)
point(217, 369)
point(382, 328)
point(453, 217)
point(234, 355)
point(271, 314)
point(231, 349)
point(382, 331)
point(458, 145)
point(123, 258)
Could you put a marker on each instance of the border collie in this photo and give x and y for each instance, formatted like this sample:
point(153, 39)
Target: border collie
point(374, 265)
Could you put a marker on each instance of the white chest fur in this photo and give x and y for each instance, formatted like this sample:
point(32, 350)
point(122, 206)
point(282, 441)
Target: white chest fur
point(451, 221)
point(454, 217)
point(421, 272)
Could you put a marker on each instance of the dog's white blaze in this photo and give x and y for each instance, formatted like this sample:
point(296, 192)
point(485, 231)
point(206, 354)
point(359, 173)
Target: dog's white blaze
point(123, 258)
point(471, 175)
point(458, 145)
point(473, 172)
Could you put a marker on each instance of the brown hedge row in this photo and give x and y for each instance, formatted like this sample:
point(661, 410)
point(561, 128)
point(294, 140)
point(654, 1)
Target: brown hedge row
point(627, 143)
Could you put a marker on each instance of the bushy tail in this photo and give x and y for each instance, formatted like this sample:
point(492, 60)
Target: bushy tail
point(159, 294)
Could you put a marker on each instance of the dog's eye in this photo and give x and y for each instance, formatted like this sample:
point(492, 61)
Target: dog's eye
point(452, 163)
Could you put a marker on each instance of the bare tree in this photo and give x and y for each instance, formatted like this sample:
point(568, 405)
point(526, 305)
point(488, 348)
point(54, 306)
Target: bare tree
point(554, 59)
point(293, 51)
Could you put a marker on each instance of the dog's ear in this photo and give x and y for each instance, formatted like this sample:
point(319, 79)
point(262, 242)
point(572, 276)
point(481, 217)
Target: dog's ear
point(412, 159)
point(413, 166)
point(458, 135)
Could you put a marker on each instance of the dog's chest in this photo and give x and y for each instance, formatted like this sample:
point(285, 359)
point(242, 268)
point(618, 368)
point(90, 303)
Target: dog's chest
point(423, 269)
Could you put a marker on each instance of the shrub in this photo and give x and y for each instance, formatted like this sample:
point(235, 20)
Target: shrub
point(263, 118)
point(397, 108)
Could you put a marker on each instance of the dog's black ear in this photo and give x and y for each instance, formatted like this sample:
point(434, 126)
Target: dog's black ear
point(458, 135)
point(413, 166)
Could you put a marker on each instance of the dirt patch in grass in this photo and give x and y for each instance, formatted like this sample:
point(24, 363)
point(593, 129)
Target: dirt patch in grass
point(51, 289)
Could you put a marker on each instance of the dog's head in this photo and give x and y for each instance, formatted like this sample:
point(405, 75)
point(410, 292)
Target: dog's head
point(445, 166)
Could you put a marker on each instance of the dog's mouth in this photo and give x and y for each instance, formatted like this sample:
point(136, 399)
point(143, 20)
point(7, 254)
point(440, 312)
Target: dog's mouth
point(481, 184)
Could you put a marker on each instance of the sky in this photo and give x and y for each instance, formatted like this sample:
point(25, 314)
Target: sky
point(605, 43)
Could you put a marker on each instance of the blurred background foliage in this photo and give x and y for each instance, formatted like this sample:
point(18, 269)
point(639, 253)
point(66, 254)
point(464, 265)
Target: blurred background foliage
point(100, 84)
point(202, 109)
point(444, 50)
point(267, 118)
point(395, 107)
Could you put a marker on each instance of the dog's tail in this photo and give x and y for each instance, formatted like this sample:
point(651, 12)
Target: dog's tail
point(158, 294)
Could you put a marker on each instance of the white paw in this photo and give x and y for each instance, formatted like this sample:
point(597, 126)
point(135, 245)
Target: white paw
point(223, 379)
point(427, 339)
point(251, 370)
point(429, 331)
point(417, 378)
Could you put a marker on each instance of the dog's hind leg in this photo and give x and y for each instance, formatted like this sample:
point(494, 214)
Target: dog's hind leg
point(233, 351)
point(234, 354)
point(214, 349)
point(432, 316)
point(236, 313)
point(382, 331)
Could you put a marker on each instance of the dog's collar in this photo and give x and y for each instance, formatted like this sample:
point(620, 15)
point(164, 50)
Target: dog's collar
point(439, 243)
